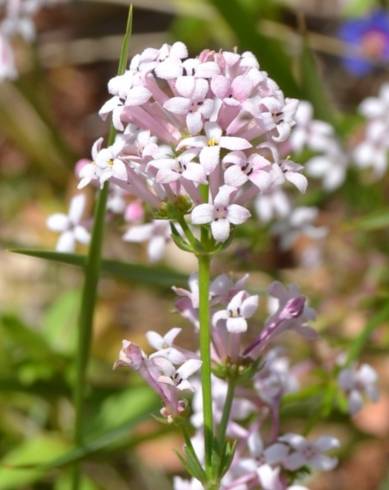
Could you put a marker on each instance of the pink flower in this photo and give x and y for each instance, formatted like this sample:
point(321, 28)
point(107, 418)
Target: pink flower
point(221, 214)
point(210, 145)
point(254, 168)
point(292, 314)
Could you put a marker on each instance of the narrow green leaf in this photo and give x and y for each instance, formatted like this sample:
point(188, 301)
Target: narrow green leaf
point(148, 275)
point(193, 464)
point(312, 86)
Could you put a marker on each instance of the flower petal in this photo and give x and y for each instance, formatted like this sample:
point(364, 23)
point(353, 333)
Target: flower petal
point(202, 214)
point(220, 230)
point(237, 214)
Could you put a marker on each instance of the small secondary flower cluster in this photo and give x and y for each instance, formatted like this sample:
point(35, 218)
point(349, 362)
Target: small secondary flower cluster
point(17, 20)
point(263, 376)
point(372, 151)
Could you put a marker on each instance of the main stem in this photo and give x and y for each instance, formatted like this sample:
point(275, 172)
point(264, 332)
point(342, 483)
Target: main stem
point(205, 352)
point(88, 302)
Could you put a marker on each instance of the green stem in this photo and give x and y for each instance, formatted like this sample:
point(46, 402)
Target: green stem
point(89, 291)
point(205, 351)
point(188, 232)
point(226, 412)
point(88, 302)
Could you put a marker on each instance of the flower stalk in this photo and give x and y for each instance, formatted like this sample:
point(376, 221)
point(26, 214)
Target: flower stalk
point(205, 353)
point(89, 291)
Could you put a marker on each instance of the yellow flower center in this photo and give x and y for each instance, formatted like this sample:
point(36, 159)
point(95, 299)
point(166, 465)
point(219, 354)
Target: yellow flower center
point(212, 142)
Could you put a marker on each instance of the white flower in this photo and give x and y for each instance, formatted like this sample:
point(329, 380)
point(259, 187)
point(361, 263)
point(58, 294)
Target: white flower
point(357, 383)
point(373, 150)
point(177, 377)
point(239, 309)
point(105, 164)
point(69, 225)
point(299, 222)
point(307, 453)
point(272, 204)
point(221, 214)
point(164, 345)
point(157, 233)
point(376, 107)
point(309, 133)
point(330, 166)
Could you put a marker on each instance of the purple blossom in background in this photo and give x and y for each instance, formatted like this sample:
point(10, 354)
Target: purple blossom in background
point(370, 36)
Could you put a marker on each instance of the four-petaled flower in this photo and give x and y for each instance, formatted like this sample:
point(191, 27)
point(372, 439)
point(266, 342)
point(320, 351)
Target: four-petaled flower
point(70, 225)
point(221, 214)
point(177, 377)
point(357, 383)
point(239, 309)
point(209, 146)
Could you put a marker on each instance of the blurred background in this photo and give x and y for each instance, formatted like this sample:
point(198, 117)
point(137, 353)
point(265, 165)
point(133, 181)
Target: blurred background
point(48, 121)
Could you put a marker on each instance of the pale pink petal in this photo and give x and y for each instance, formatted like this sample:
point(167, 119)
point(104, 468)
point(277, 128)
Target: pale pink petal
point(139, 233)
point(189, 367)
point(154, 339)
point(219, 315)
point(169, 69)
point(195, 173)
point(234, 176)
point(137, 96)
point(185, 86)
point(156, 248)
point(166, 176)
point(194, 122)
point(234, 143)
point(249, 306)
point(66, 242)
point(220, 230)
point(82, 235)
point(241, 87)
point(209, 158)
point(58, 222)
point(223, 196)
point(119, 170)
point(171, 335)
point(220, 86)
point(178, 105)
point(237, 214)
point(298, 180)
point(236, 325)
point(202, 214)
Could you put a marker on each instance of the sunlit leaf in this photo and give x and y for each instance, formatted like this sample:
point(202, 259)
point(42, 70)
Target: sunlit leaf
point(39, 449)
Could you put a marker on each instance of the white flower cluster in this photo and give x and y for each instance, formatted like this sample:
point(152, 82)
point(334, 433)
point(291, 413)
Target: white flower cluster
point(16, 19)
